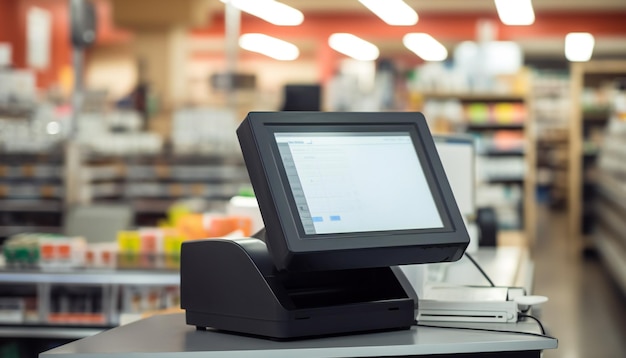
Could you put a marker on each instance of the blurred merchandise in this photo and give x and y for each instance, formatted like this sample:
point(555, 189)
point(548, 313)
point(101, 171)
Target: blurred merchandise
point(48, 252)
point(204, 131)
point(610, 187)
point(140, 299)
point(76, 305)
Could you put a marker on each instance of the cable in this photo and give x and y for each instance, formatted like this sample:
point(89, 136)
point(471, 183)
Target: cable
point(543, 331)
point(543, 335)
point(480, 269)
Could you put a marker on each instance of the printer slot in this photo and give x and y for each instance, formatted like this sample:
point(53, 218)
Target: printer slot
point(341, 287)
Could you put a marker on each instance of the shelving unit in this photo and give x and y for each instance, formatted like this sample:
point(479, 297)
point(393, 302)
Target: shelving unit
point(552, 106)
point(31, 193)
point(503, 125)
point(609, 236)
point(592, 84)
point(150, 184)
point(44, 322)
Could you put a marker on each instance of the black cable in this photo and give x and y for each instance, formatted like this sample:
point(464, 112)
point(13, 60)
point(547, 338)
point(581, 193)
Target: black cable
point(543, 331)
point(487, 330)
point(480, 269)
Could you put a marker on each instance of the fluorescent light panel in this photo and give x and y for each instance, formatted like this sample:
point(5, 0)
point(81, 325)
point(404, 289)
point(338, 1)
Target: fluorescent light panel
point(353, 46)
point(269, 46)
point(393, 12)
point(425, 46)
point(271, 11)
point(579, 46)
point(515, 12)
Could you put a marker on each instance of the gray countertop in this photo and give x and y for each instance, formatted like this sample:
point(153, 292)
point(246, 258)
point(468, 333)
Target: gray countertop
point(169, 336)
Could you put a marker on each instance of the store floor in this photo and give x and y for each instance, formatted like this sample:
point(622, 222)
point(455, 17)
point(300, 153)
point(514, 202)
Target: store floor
point(586, 310)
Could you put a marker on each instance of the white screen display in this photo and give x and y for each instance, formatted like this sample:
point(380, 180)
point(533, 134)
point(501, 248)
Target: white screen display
point(457, 157)
point(357, 182)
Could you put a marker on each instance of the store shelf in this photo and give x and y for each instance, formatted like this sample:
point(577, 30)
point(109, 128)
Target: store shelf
point(609, 196)
point(10, 230)
point(613, 255)
point(93, 277)
point(150, 184)
point(610, 191)
point(31, 193)
point(494, 126)
point(593, 90)
point(503, 152)
point(29, 205)
point(49, 332)
point(77, 303)
point(503, 125)
point(505, 180)
point(475, 96)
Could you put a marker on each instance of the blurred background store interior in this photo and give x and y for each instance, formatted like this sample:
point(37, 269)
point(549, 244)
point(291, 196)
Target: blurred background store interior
point(117, 140)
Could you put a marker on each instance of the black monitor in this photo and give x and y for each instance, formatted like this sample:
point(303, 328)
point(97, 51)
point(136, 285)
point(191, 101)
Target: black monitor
point(302, 97)
point(350, 190)
point(345, 197)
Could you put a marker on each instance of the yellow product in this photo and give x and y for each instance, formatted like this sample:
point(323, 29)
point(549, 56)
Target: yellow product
point(504, 113)
point(172, 242)
point(129, 241)
point(176, 212)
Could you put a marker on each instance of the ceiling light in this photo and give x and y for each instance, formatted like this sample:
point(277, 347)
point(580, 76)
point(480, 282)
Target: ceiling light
point(425, 46)
point(579, 46)
point(393, 12)
point(515, 12)
point(271, 11)
point(269, 46)
point(353, 46)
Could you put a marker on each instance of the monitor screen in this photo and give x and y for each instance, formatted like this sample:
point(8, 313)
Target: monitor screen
point(457, 155)
point(350, 190)
point(357, 182)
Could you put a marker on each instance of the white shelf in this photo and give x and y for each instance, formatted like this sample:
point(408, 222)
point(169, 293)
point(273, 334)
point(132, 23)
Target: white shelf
point(51, 332)
point(93, 277)
point(613, 255)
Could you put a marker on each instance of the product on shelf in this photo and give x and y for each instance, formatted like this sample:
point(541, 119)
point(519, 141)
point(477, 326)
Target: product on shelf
point(21, 251)
point(160, 247)
point(204, 131)
point(61, 252)
point(53, 252)
point(12, 310)
point(76, 305)
point(101, 255)
point(149, 248)
point(503, 113)
point(142, 299)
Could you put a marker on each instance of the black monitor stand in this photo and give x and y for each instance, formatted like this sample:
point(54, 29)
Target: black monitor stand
point(233, 285)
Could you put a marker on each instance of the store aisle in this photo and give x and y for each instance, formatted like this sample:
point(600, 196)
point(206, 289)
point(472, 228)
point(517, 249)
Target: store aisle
point(586, 311)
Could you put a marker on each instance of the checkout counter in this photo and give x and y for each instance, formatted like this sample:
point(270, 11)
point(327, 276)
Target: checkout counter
point(168, 335)
point(173, 335)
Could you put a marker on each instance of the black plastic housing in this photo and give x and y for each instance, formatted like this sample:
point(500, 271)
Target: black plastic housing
point(232, 285)
point(293, 250)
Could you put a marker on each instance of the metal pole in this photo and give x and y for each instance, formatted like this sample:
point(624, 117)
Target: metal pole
point(232, 30)
point(72, 165)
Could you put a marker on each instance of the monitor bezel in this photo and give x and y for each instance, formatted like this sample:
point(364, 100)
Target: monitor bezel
point(284, 234)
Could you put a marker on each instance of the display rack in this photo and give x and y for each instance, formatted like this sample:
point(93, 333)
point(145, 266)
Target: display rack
point(609, 236)
point(592, 88)
point(505, 147)
point(43, 320)
point(152, 183)
point(31, 193)
point(552, 106)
